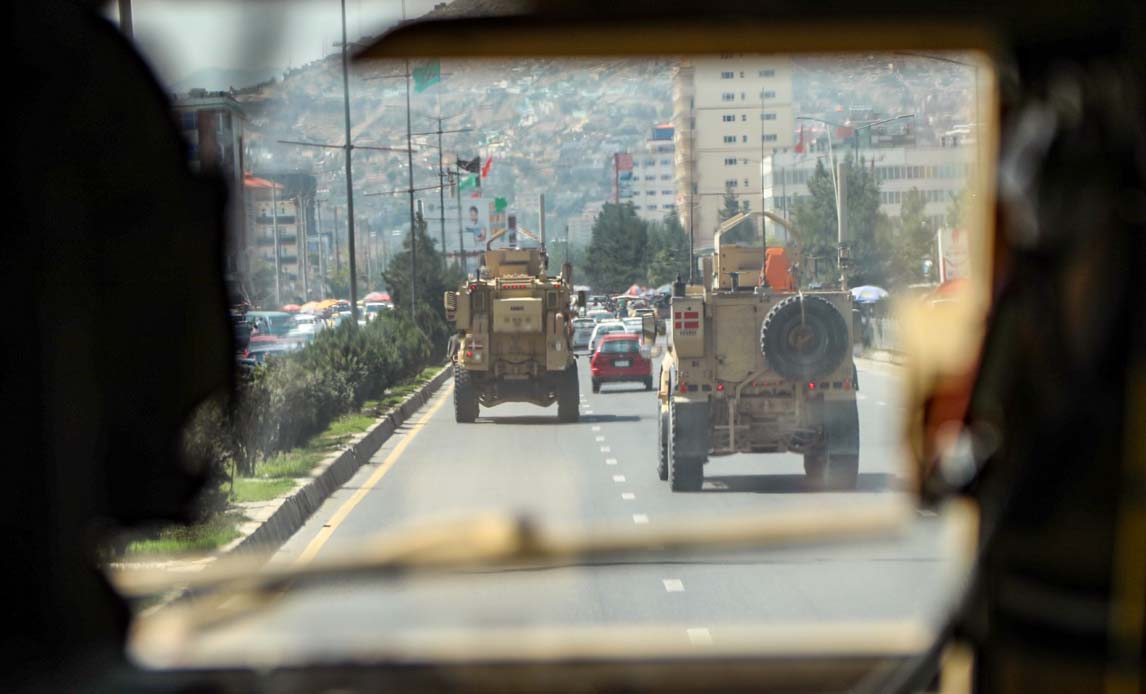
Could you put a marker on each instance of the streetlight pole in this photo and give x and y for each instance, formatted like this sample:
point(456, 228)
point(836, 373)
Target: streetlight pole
point(349, 174)
point(275, 231)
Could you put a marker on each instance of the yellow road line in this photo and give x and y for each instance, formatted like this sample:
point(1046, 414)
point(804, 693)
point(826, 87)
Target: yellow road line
point(343, 511)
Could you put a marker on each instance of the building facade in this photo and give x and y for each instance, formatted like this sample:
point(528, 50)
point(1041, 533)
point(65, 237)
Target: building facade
point(212, 124)
point(940, 173)
point(280, 211)
point(653, 173)
point(729, 113)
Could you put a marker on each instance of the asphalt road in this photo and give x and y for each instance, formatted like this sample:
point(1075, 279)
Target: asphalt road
point(599, 471)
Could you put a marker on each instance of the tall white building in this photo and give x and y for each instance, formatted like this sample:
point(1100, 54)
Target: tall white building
point(938, 172)
point(653, 190)
point(730, 112)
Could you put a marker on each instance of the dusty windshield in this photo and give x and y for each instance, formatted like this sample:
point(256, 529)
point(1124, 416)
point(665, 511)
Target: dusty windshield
point(770, 212)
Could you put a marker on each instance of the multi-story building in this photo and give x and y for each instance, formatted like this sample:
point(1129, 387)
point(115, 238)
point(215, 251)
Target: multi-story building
point(581, 226)
point(212, 124)
point(729, 113)
point(653, 171)
point(280, 212)
point(938, 172)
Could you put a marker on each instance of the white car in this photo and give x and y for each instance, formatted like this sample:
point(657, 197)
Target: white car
point(604, 328)
point(633, 325)
point(582, 331)
point(599, 314)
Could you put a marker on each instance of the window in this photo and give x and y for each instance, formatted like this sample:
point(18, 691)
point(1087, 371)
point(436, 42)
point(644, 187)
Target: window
point(727, 96)
point(730, 139)
point(731, 183)
point(767, 116)
point(746, 183)
point(650, 193)
point(666, 192)
point(730, 161)
point(668, 206)
point(742, 73)
point(666, 162)
point(728, 118)
point(768, 95)
point(650, 162)
point(619, 347)
point(768, 73)
point(743, 96)
point(666, 177)
point(187, 120)
point(743, 117)
point(650, 178)
point(744, 138)
point(650, 207)
point(769, 137)
point(726, 75)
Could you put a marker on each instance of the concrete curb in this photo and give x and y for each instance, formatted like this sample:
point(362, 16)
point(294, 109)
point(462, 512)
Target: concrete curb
point(277, 520)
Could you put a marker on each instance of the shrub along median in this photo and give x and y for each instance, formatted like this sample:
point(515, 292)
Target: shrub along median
point(289, 414)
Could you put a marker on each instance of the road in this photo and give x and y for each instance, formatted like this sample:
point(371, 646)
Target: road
point(600, 470)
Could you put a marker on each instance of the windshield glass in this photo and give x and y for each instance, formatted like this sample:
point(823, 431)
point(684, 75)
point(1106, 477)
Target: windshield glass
point(618, 346)
point(778, 367)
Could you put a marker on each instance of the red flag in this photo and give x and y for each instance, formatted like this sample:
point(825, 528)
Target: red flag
point(485, 169)
point(799, 148)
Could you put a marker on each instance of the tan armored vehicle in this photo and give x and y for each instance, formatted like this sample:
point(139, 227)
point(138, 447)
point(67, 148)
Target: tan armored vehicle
point(513, 340)
point(757, 369)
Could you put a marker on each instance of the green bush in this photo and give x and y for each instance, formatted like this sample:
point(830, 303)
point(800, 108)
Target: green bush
point(290, 399)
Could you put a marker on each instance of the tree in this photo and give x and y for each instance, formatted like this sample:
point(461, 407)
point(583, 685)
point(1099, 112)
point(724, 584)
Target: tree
point(262, 282)
point(913, 239)
point(434, 278)
point(745, 232)
point(668, 253)
point(617, 253)
point(869, 230)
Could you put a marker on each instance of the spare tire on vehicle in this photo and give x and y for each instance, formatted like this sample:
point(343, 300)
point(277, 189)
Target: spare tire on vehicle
point(804, 338)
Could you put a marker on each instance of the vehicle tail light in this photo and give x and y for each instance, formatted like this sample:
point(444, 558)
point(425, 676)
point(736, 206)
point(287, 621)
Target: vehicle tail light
point(469, 353)
point(719, 387)
point(811, 386)
point(847, 384)
point(683, 388)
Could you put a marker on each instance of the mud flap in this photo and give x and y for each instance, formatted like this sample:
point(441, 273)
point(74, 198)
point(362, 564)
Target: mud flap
point(693, 423)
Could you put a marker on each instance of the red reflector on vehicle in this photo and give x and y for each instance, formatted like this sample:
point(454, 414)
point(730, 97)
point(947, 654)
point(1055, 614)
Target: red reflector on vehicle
point(811, 386)
point(719, 386)
point(469, 353)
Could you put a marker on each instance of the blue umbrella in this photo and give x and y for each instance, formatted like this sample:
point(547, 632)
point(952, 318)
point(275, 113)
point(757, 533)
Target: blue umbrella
point(868, 294)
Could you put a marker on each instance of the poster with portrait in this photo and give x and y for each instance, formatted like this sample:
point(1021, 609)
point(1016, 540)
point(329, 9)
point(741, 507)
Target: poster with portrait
point(475, 219)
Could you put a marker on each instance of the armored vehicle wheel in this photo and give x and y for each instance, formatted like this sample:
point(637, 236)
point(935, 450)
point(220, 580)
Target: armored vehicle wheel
point(596, 386)
point(836, 468)
point(804, 338)
point(687, 437)
point(662, 443)
point(465, 398)
point(569, 395)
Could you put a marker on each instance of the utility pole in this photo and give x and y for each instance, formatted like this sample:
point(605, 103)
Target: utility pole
point(410, 172)
point(322, 278)
point(337, 250)
point(441, 179)
point(304, 232)
point(461, 232)
point(125, 24)
point(275, 230)
point(349, 173)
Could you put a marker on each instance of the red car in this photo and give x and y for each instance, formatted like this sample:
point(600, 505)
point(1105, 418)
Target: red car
point(618, 359)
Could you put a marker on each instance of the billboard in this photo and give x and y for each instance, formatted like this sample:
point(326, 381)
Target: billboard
point(475, 219)
point(954, 254)
point(622, 177)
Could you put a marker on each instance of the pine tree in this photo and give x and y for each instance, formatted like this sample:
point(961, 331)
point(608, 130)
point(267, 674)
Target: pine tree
point(618, 250)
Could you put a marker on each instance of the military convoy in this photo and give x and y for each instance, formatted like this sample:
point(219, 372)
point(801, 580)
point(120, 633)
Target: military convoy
point(512, 340)
point(757, 367)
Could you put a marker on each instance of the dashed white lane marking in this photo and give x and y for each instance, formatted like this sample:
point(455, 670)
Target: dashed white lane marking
point(606, 449)
point(628, 496)
point(596, 427)
point(600, 438)
point(881, 403)
point(610, 461)
point(673, 585)
point(699, 637)
point(640, 518)
point(618, 478)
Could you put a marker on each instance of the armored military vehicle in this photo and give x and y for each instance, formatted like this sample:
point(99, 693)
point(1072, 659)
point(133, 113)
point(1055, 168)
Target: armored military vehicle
point(756, 366)
point(513, 340)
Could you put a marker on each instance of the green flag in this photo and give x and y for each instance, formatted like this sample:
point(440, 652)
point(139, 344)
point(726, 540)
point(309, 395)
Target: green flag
point(427, 75)
point(470, 181)
point(499, 205)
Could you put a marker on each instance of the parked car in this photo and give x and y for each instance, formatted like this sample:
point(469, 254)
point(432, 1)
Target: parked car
point(582, 332)
point(604, 328)
point(374, 309)
point(276, 323)
point(260, 351)
point(599, 314)
point(618, 359)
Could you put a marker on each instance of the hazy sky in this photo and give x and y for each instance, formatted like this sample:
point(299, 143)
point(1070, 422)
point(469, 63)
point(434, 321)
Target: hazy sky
point(180, 37)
